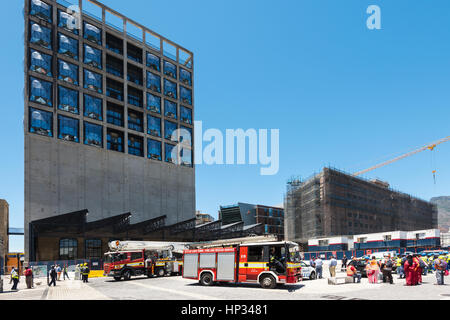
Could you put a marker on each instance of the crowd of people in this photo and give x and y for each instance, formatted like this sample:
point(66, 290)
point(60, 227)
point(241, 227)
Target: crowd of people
point(410, 267)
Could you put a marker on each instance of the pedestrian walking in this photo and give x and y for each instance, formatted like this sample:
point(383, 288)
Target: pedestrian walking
point(58, 270)
point(386, 269)
point(344, 262)
point(399, 269)
point(441, 266)
point(14, 278)
point(53, 276)
point(28, 273)
point(332, 267)
point(373, 270)
point(65, 274)
point(319, 264)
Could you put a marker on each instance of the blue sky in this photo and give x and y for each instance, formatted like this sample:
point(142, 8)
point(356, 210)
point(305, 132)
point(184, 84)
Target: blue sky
point(341, 95)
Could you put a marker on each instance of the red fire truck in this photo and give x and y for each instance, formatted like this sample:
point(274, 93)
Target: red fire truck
point(141, 258)
point(266, 263)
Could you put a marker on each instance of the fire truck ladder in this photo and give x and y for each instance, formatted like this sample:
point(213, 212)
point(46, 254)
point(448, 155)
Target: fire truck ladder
point(232, 242)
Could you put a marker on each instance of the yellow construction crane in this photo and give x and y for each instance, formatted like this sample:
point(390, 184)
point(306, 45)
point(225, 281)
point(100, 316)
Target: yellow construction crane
point(430, 147)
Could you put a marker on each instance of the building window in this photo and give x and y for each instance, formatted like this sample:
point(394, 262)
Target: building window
point(68, 129)
point(41, 122)
point(134, 74)
point(153, 103)
point(134, 53)
point(185, 77)
point(114, 66)
point(170, 69)
point(115, 140)
point(68, 46)
point(67, 72)
point(114, 44)
point(135, 121)
point(93, 134)
point(154, 126)
point(323, 243)
point(170, 89)
point(186, 136)
point(93, 107)
point(114, 114)
point(93, 81)
point(40, 63)
point(92, 57)
point(68, 100)
point(170, 109)
point(169, 128)
point(168, 156)
point(93, 248)
point(135, 145)
point(68, 249)
point(92, 33)
point(40, 35)
point(41, 10)
point(153, 62)
point(114, 89)
point(186, 95)
point(186, 157)
point(41, 91)
point(154, 149)
point(186, 115)
point(68, 22)
point(135, 97)
point(153, 82)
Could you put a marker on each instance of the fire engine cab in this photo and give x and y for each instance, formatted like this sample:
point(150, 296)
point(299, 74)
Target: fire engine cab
point(140, 258)
point(266, 263)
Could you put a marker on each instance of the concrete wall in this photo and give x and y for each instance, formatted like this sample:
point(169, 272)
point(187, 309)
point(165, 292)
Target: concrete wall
point(62, 177)
point(4, 224)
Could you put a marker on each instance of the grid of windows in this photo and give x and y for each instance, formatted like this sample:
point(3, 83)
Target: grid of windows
point(162, 80)
point(93, 248)
point(68, 249)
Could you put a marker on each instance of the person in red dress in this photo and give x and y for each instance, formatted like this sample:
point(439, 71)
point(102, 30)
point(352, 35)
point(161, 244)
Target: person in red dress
point(418, 272)
point(410, 271)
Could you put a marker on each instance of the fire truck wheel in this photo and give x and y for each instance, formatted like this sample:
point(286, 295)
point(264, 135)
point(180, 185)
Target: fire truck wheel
point(127, 275)
point(161, 273)
point(268, 282)
point(206, 279)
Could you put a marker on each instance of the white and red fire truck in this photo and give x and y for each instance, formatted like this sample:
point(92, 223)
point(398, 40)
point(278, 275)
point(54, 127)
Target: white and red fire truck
point(142, 258)
point(266, 263)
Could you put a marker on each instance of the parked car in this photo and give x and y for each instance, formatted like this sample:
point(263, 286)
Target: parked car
point(308, 272)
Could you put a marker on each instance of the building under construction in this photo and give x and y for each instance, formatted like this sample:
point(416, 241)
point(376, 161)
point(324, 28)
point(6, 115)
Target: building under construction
point(335, 203)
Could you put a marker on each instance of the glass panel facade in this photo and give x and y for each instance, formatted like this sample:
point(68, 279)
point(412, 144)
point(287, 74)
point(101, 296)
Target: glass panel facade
point(41, 10)
point(92, 33)
point(115, 140)
point(41, 122)
point(114, 89)
point(41, 92)
point(186, 136)
point(40, 35)
point(168, 153)
point(170, 89)
point(170, 109)
point(135, 121)
point(93, 107)
point(114, 66)
point(154, 126)
point(135, 97)
point(68, 129)
point(185, 77)
point(93, 134)
point(186, 95)
point(186, 115)
point(67, 100)
point(40, 63)
point(153, 82)
point(93, 81)
point(67, 72)
point(153, 103)
point(186, 157)
point(153, 62)
point(92, 57)
point(114, 44)
point(154, 149)
point(68, 46)
point(114, 115)
point(68, 249)
point(170, 69)
point(135, 145)
point(169, 128)
point(68, 22)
